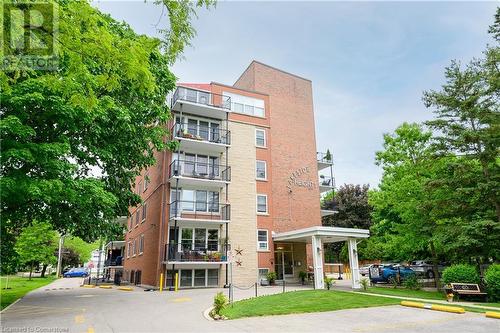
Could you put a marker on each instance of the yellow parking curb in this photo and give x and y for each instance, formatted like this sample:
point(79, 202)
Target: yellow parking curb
point(125, 288)
point(491, 314)
point(106, 287)
point(435, 307)
point(88, 286)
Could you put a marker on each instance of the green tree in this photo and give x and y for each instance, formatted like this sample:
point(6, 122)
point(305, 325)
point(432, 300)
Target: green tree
point(80, 248)
point(74, 139)
point(37, 244)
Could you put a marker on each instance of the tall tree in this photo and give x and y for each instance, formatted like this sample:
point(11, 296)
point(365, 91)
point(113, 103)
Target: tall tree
point(74, 139)
point(36, 244)
point(350, 202)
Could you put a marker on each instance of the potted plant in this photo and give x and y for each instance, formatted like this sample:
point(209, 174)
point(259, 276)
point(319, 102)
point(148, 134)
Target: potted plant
point(303, 276)
point(271, 277)
point(216, 256)
point(328, 155)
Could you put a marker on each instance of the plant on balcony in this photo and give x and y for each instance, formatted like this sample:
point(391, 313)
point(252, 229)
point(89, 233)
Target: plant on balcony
point(215, 256)
point(328, 155)
point(271, 277)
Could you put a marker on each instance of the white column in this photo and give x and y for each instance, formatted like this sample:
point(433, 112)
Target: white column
point(317, 254)
point(353, 263)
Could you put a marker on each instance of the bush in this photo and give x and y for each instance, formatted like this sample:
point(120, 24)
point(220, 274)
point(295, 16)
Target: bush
point(365, 283)
point(220, 302)
point(492, 281)
point(411, 282)
point(461, 274)
point(271, 277)
point(329, 282)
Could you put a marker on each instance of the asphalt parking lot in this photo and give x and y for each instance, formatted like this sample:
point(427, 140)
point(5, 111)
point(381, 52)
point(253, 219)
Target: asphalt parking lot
point(65, 307)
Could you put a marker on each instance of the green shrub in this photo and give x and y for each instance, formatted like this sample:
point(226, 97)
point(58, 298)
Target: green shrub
point(271, 277)
point(329, 282)
point(461, 274)
point(492, 281)
point(365, 283)
point(411, 282)
point(220, 302)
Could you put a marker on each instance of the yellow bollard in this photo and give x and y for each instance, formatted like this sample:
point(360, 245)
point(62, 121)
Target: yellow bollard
point(161, 282)
point(176, 281)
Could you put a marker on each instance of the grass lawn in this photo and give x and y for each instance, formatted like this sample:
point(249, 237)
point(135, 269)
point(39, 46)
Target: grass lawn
point(407, 293)
point(303, 301)
point(20, 286)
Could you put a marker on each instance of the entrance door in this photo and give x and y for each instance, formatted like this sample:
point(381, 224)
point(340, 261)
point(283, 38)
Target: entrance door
point(283, 264)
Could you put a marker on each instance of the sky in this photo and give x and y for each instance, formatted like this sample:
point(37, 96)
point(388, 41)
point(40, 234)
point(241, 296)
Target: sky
point(369, 62)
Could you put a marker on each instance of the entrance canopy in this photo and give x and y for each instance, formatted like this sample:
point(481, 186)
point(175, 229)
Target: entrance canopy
point(326, 234)
point(318, 236)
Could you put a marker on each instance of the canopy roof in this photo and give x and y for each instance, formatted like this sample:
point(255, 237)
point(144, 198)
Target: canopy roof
point(327, 234)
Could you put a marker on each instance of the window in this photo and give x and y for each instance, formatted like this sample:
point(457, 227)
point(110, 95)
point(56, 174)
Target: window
point(200, 239)
point(186, 278)
point(130, 222)
point(146, 181)
point(213, 240)
point(201, 201)
point(260, 170)
point(260, 138)
point(199, 278)
point(261, 203)
point(187, 239)
point(262, 242)
point(188, 200)
point(139, 188)
point(246, 105)
point(144, 211)
point(213, 277)
point(133, 248)
point(141, 244)
point(137, 216)
point(129, 249)
point(263, 273)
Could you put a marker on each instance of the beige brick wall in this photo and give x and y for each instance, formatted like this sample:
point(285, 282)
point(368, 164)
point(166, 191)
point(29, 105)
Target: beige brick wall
point(242, 196)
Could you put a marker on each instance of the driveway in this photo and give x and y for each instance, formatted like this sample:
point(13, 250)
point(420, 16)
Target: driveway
point(63, 306)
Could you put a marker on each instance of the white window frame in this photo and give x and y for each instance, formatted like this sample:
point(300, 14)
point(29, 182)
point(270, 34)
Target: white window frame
point(141, 244)
point(265, 170)
point(146, 181)
point(194, 236)
point(259, 249)
point(257, 204)
point(265, 139)
point(129, 248)
point(133, 248)
point(144, 212)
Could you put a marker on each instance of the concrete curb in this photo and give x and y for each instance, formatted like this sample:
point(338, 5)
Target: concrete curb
point(106, 287)
point(11, 304)
point(206, 314)
point(88, 286)
point(125, 289)
point(491, 314)
point(435, 307)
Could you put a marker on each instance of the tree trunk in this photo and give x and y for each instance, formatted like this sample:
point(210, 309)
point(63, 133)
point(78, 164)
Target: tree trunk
point(44, 268)
point(31, 270)
point(435, 265)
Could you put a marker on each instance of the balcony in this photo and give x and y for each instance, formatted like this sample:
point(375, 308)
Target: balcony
point(326, 183)
point(197, 173)
point(194, 212)
point(201, 138)
point(194, 254)
point(114, 254)
point(324, 161)
point(201, 103)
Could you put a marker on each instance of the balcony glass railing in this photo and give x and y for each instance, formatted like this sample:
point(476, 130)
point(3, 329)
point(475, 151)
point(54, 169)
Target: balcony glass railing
point(207, 252)
point(327, 181)
point(201, 133)
point(201, 97)
point(200, 170)
point(200, 210)
point(324, 157)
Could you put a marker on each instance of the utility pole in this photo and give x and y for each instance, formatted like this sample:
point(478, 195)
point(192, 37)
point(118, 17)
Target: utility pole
point(98, 263)
point(59, 256)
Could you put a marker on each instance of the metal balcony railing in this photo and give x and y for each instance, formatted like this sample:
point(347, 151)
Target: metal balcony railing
point(201, 133)
point(114, 261)
point(200, 170)
point(200, 210)
point(326, 181)
point(323, 157)
point(206, 252)
point(201, 97)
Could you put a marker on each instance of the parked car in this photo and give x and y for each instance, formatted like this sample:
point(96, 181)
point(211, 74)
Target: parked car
point(424, 267)
point(365, 270)
point(76, 272)
point(388, 272)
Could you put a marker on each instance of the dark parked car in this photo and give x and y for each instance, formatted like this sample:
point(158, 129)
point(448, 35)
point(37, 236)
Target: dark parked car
point(388, 273)
point(76, 272)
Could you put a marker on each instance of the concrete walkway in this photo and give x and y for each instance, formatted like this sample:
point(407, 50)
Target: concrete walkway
point(63, 306)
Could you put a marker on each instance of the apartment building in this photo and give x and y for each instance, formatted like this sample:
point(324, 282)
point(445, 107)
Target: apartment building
point(240, 196)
